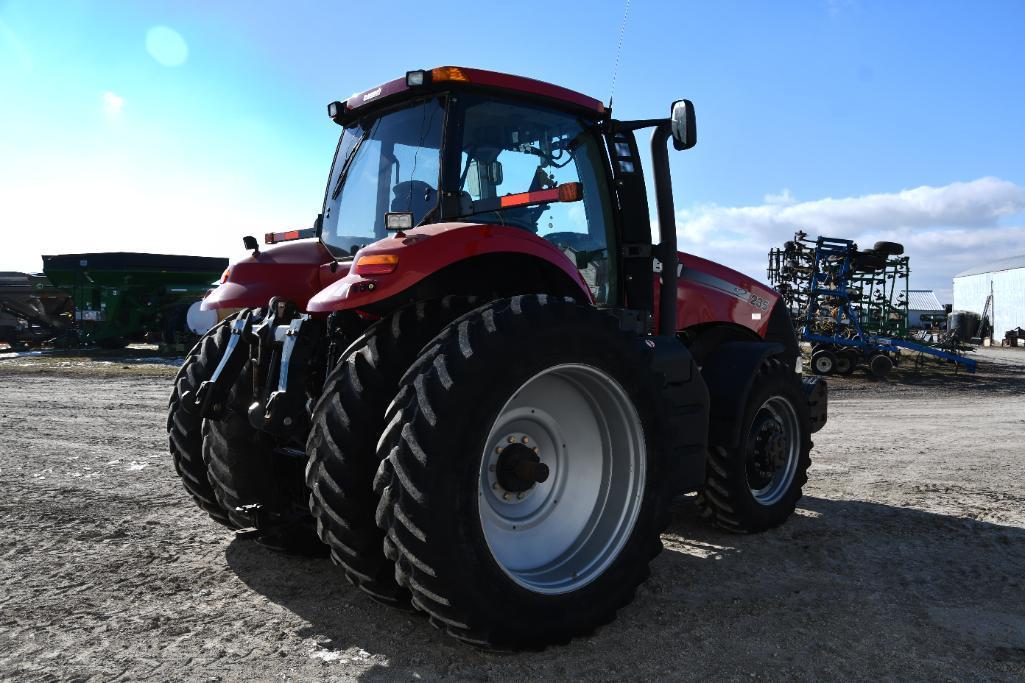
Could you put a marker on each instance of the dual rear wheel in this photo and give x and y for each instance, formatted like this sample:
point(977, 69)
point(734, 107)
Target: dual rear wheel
point(522, 473)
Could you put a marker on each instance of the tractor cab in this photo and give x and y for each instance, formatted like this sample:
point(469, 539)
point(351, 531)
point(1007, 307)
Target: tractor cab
point(455, 146)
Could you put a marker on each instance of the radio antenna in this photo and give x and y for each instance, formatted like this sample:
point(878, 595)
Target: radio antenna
point(619, 50)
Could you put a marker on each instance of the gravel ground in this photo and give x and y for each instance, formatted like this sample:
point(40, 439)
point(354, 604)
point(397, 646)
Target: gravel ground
point(904, 561)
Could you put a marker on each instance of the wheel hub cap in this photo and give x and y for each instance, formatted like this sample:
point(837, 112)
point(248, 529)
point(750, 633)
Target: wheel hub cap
point(773, 448)
point(562, 478)
point(519, 467)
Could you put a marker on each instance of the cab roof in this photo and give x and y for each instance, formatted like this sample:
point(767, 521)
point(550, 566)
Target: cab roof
point(445, 76)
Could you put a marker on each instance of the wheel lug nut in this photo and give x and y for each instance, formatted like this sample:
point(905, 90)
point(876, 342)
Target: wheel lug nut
point(498, 449)
point(519, 496)
point(536, 450)
point(506, 496)
point(512, 439)
point(526, 439)
point(495, 485)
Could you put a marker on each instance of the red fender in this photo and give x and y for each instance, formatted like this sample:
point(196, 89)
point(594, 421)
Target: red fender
point(430, 248)
point(709, 292)
point(293, 270)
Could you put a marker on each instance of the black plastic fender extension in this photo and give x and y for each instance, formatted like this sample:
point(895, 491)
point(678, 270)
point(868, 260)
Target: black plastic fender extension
point(729, 373)
point(817, 393)
point(685, 401)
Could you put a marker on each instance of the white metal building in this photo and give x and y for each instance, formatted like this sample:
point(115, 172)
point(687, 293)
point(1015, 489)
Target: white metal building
point(921, 302)
point(1005, 278)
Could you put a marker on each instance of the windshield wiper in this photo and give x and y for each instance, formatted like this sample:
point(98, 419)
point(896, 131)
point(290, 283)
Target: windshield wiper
point(337, 189)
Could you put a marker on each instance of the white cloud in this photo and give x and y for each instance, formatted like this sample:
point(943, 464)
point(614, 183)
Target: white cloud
point(944, 229)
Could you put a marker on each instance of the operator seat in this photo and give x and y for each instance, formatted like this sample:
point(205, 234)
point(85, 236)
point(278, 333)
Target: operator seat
point(413, 195)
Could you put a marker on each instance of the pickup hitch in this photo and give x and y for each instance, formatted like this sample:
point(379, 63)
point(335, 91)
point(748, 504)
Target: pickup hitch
point(211, 397)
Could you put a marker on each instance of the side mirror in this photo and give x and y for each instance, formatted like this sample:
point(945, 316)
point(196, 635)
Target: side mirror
point(685, 130)
point(249, 242)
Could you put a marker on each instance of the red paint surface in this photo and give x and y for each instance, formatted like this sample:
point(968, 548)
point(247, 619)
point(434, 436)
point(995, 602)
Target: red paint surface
point(426, 250)
point(294, 271)
point(301, 272)
point(489, 79)
point(698, 303)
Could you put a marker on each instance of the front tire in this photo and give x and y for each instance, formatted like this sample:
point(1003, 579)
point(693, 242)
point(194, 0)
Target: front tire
point(755, 485)
point(184, 427)
point(258, 483)
point(342, 447)
point(489, 565)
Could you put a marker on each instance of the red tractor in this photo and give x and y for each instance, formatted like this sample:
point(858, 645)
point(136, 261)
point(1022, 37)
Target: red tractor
point(476, 381)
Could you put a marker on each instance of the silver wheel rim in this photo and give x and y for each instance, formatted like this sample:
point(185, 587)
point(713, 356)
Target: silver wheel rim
point(823, 364)
point(560, 534)
point(776, 413)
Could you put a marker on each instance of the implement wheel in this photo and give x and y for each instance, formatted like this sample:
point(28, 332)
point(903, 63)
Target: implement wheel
point(526, 475)
point(880, 365)
point(846, 361)
point(755, 485)
point(342, 447)
point(823, 362)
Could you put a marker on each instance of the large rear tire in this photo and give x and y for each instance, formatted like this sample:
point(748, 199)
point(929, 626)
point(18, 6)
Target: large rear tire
point(184, 428)
point(525, 548)
point(342, 447)
point(755, 485)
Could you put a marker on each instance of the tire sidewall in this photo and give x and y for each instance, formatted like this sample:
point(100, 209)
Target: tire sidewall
point(775, 384)
point(484, 582)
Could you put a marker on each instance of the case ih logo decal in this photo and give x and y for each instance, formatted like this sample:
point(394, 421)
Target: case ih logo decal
point(721, 285)
point(372, 94)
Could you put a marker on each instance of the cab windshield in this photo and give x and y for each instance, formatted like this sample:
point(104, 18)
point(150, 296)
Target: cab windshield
point(389, 162)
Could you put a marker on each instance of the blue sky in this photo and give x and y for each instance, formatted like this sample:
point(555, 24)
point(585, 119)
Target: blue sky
point(179, 127)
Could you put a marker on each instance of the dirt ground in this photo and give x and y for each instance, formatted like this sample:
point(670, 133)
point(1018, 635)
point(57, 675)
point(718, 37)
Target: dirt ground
point(906, 559)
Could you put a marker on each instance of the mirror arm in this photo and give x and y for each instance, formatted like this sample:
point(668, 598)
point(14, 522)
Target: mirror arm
point(624, 126)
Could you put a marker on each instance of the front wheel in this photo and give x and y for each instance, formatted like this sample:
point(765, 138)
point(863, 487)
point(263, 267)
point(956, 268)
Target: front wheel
point(524, 494)
point(755, 485)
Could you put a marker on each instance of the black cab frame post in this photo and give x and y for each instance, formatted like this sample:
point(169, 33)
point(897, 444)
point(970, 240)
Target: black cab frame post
point(666, 227)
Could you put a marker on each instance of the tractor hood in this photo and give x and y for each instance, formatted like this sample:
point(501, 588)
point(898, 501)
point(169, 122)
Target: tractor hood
point(293, 270)
point(392, 265)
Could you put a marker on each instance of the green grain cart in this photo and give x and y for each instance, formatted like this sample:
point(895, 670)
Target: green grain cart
point(123, 297)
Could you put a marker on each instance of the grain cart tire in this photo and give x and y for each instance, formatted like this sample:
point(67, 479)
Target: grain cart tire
point(846, 362)
point(823, 362)
point(342, 446)
point(525, 474)
point(889, 248)
point(185, 428)
point(880, 365)
point(755, 485)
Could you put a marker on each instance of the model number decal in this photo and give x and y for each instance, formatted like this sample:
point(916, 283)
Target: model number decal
point(717, 283)
point(751, 298)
